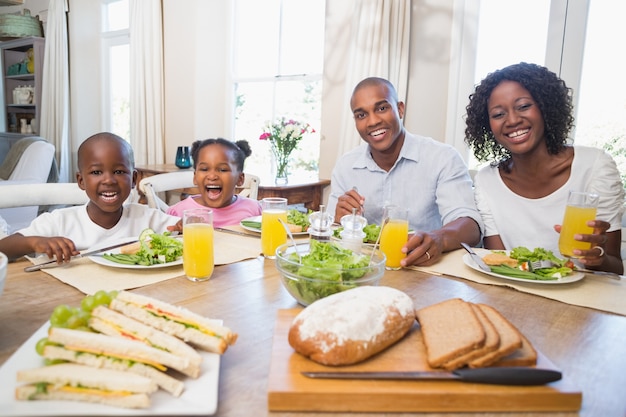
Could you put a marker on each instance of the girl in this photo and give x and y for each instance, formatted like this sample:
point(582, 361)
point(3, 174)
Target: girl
point(218, 169)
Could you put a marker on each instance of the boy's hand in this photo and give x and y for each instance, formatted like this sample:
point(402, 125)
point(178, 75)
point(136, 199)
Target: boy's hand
point(60, 247)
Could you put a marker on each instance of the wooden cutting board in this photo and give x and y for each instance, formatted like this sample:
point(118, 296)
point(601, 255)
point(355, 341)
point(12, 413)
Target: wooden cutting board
point(288, 390)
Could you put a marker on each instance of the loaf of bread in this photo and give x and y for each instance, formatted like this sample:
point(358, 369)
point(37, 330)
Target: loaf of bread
point(353, 325)
point(450, 329)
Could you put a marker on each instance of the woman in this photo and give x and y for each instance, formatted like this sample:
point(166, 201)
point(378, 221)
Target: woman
point(520, 117)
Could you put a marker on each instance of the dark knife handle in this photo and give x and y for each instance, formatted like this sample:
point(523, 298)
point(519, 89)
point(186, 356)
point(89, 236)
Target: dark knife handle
point(509, 375)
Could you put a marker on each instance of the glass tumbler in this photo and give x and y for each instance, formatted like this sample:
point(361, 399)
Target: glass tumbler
point(394, 234)
point(581, 207)
point(198, 255)
point(273, 233)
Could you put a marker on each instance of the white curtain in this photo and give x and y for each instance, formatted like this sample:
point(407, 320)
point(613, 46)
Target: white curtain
point(146, 81)
point(55, 96)
point(379, 47)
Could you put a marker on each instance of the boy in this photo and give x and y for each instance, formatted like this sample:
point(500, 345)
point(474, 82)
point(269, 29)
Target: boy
point(106, 172)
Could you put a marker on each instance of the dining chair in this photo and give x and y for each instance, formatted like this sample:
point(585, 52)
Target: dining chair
point(152, 186)
point(21, 203)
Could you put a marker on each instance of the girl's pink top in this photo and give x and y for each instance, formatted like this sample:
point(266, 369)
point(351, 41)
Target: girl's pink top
point(232, 214)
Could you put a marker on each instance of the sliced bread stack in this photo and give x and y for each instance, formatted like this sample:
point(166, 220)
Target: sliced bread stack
point(457, 333)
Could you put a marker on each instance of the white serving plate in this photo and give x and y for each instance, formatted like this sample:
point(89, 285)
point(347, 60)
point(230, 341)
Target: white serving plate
point(199, 397)
point(467, 259)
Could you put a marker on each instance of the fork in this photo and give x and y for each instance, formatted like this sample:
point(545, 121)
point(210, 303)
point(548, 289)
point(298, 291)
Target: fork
point(540, 264)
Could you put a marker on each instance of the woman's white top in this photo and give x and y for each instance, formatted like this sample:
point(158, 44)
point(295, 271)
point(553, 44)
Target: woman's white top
point(528, 222)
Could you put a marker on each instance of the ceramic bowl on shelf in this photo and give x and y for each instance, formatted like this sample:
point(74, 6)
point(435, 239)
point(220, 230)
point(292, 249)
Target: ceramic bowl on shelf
point(308, 281)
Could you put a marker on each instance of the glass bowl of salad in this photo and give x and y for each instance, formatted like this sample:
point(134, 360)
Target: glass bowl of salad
point(313, 270)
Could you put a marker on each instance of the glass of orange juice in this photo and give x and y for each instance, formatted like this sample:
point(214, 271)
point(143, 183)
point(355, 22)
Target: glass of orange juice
point(581, 207)
point(273, 233)
point(394, 234)
point(198, 257)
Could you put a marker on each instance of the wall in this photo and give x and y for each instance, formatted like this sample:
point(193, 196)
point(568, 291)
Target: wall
point(197, 88)
point(197, 71)
point(426, 101)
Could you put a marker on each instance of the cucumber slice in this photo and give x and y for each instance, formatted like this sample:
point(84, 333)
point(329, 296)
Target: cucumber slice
point(146, 234)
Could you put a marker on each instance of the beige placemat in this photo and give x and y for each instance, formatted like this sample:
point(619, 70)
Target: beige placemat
point(89, 277)
point(596, 292)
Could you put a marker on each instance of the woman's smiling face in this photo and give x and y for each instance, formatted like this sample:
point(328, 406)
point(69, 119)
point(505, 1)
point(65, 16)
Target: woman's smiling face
point(216, 175)
point(515, 118)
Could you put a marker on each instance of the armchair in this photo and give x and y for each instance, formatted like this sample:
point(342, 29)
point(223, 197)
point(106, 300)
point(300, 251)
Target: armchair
point(29, 161)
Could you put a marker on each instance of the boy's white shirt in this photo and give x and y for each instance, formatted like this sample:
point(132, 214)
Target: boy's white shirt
point(75, 224)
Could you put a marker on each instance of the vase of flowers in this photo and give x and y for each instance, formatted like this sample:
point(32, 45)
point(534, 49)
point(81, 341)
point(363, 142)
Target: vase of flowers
point(284, 136)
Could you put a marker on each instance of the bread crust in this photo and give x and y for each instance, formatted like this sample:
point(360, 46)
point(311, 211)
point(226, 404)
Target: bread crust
point(351, 326)
point(492, 342)
point(450, 329)
point(510, 338)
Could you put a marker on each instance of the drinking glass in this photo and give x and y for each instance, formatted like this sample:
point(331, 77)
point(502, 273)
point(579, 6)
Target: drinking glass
point(198, 261)
point(183, 157)
point(273, 233)
point(581, 207)
point(394, 234)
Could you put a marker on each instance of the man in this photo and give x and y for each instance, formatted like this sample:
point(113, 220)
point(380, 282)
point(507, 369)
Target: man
point(396, 167)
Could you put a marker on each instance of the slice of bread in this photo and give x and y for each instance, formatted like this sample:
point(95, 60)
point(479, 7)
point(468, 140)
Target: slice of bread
point(492, 342)
point(450, 329)
point(510, 338)
point(524, 356)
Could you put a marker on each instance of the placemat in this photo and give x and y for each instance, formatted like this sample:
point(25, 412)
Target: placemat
point(89, 277)
point(596, 292)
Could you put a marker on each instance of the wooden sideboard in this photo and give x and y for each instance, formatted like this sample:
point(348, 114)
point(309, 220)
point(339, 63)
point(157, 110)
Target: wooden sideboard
point(310, 194)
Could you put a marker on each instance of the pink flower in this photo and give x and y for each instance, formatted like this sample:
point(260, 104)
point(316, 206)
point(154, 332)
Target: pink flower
point(265, 136)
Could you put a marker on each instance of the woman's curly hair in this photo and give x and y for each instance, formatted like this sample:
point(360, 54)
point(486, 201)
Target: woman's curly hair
point(550, 93)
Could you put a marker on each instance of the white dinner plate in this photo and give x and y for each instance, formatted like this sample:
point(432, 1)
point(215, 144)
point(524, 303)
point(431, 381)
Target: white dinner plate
point(99, 259)
point(198, 398)
point(258, 219)
point(467, 259)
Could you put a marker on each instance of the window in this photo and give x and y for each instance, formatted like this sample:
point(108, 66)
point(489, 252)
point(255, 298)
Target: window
point(116, 67)
point(601, 115)
point(277, 72)
point(596, 76)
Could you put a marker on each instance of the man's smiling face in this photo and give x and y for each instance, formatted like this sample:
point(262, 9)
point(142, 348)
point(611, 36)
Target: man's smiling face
point(378, 116)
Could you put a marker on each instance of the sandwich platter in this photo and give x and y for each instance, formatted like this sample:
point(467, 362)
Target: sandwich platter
point(467, 259)
point(199, 397)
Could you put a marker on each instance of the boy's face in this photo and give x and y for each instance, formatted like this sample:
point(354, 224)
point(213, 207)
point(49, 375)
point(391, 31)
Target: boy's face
point(217, 175)
point(106, 175)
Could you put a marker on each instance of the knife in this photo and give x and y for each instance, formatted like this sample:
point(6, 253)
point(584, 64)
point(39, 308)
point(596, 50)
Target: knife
point(82, 255)
point(611, 275)
point(494, 375)
point(236, 232)
point(479, 261)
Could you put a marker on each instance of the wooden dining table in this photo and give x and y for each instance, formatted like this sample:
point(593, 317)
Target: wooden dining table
point(587, 345)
